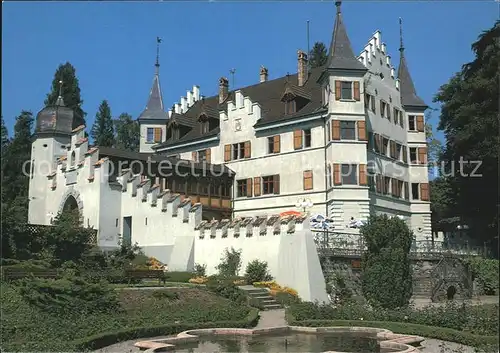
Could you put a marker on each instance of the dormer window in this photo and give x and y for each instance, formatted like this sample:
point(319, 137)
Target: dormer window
point(204, 123)
point(204, 127)
point(175, 133)
point(290, 107)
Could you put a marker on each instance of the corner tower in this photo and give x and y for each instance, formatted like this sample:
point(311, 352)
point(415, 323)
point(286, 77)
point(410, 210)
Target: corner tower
point(153, 120)
point(53, 129)
point(343, 84)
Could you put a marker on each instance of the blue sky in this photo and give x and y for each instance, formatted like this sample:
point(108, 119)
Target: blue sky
point(113, 44)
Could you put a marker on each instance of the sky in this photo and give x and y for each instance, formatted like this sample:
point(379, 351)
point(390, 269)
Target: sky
point(112, 45)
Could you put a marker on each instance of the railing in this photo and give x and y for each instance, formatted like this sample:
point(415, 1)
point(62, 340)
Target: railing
point(39, 229)
point(352, 243)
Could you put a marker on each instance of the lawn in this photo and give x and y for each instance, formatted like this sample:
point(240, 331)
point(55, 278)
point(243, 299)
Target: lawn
point(29, 327)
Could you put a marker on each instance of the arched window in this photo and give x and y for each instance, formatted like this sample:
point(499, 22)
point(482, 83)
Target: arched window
point(73, 157)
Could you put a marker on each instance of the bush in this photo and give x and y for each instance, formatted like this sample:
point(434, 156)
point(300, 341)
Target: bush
point(257, 271)
point(486, 272)
point(200, 270)
point(230, 263)
point(165, 294)
point(226, 289)
point(386, 277)
point(178, 276)
point(286, 299)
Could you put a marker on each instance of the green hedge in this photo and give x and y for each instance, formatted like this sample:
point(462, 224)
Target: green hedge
point(488, 343)
point(177, 276)
point(109, 338)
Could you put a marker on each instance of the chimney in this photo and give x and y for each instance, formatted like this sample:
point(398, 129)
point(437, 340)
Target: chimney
point(263, 74)
point(302, 68)
point(223, 89)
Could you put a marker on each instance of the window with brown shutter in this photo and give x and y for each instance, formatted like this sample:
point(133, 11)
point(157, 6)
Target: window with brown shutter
point(378, 183)
point(405, 154)
point(276, 144)
point(248, 149)
point(256, 186)
point(386, 185)
point(362, 130)
point(376, 143)
point(335, 129)
point(297, 139)
point(420, 123)
point(194, 156)
point(308, 180)
point(157, 134)
point(208, 155)
point(362, 175)
point(407, 190)
point(249, 187)
point(424, 192)
point(338, 90)
point(337, 180)
point(422, 155)
point(276, 184)
point(356, 90)
point(227, 153)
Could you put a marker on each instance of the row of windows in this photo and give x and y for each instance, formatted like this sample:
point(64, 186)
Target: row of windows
point(397, 151)
point(346, 130)
point(265, 185)
point(385, 185)
point(191, 187)
point(415, 122)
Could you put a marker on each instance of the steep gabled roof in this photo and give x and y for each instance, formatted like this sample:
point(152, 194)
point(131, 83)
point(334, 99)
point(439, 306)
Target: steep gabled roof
point(341, 55)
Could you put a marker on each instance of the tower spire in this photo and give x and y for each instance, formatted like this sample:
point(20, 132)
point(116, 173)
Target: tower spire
point(157, 64)
point(341, 55)
point(60, 101)
point(401, 47)
point(409, 97)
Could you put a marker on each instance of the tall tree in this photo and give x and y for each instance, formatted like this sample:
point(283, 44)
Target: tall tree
point(70, 92)
point(14, 178)
point(102, 130)
point(127, 133)
point(318, 55)
point(469, 119)
point(5, 136)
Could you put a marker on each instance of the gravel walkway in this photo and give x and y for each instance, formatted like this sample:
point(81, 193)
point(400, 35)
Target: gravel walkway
point(271, 318)
point(437, 346)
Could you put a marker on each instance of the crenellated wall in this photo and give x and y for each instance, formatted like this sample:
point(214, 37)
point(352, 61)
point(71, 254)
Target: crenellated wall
point(130, 209)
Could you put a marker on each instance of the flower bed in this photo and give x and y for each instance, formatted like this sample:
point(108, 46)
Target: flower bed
point(275, 288)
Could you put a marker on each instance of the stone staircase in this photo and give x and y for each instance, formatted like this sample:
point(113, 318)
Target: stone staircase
point(266, 301)
point(422, 287)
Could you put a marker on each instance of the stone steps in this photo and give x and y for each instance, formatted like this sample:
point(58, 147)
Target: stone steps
point(262, 295)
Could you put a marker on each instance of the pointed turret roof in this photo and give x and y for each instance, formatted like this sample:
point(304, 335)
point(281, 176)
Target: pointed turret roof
point(154, 108)
point(407, 90)
point(341, 56)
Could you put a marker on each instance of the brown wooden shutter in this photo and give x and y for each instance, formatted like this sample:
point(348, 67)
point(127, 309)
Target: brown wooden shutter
point(362, 130)
point(276, 144)
point(362, 175)
point(407, 190)
point(249, 187)
point(420, 123)
point(194, 155)
point(336, 174)
point(335, 129)
point(376, 138)
point(227, 153)
point(405, 154)
point(157, 132)
point(356, 90)
point(382, 108)
point(378, 183)
point(338, 90)
point(297, 139)
point(422, 155)
point(248, 149)
point(276, 183)
point(256, 186)
point(208, 155)
point(308, 180)
point(424, 192)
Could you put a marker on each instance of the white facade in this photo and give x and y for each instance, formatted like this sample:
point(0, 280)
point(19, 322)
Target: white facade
point(160, 223)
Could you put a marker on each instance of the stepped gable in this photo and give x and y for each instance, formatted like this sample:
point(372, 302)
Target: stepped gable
point(223, 223)
point(273, 219)
point(235, 222)
point(246, 221)
point(201, 226)
point(258, 221)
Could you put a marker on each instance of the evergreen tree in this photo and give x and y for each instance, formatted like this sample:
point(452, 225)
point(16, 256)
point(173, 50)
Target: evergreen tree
point(15, 180)
point(5, 136)
point(318, 55)
point(102, 130)
point(70, 92)
point(469, 119)
point(127, 133)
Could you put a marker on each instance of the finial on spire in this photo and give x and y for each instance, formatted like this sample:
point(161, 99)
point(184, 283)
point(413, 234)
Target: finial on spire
point(60, 100)
point(401, 47)
point(157, 64)
point(338, 4)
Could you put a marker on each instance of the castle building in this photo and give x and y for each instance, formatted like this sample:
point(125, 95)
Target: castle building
point(218, 172)
point(348, 136)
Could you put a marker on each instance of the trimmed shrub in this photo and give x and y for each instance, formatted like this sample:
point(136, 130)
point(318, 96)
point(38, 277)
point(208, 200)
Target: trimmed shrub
point(257, 271)
point(230, 263)
point(180, 277)
point(200, 270)
point(387, 277)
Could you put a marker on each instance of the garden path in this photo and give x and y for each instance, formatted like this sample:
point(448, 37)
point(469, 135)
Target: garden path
point(437, 346)
point(271, 318)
